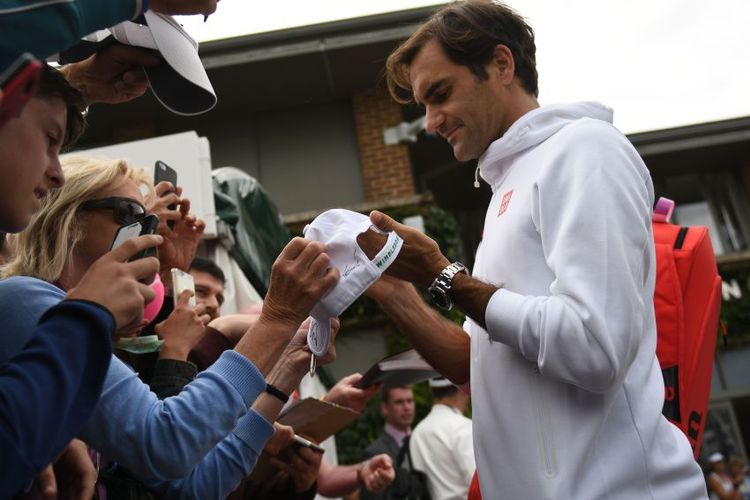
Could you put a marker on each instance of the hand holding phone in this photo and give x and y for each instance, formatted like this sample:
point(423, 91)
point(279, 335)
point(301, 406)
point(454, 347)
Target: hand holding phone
point(146, 225)
point(165, 173)
point(182, 281)
point(109, 281)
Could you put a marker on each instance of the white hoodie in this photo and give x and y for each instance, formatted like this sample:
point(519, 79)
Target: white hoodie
point(566, 389)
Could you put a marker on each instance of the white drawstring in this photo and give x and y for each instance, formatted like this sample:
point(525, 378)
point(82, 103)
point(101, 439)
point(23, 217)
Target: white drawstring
point(476, 177)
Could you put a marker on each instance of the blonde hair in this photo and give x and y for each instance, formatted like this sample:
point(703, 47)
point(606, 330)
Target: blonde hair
point(44, 248)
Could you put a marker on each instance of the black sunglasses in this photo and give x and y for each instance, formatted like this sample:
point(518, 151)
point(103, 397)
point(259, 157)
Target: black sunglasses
point(126, 210)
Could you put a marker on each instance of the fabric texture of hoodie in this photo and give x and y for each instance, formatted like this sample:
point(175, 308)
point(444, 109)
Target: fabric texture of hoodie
point(566, 389)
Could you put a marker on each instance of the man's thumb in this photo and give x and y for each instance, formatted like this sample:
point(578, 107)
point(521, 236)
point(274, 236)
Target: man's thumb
point(382, 221)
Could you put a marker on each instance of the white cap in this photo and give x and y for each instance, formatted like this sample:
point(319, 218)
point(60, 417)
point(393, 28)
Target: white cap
point(181, 85)
point(715, 457)
point(338, 230)
point(439, 382)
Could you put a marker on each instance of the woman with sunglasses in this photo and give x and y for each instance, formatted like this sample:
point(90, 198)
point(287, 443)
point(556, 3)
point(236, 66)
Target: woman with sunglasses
point(202, 442)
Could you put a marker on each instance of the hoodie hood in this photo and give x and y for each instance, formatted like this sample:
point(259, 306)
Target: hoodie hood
point(532, 129)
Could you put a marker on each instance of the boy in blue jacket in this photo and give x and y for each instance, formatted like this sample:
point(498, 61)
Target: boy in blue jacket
point(48, 391)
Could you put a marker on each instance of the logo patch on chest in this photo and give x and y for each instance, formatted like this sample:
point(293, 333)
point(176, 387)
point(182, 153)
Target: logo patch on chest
point(505, 202)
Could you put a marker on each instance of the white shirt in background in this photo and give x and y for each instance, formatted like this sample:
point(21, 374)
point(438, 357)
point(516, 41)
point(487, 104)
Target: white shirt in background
point(441, 446)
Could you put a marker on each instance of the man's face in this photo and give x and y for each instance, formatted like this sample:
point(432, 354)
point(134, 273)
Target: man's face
point(719, 466)
point(29, 163)
point(399, 410)
point(209, 291)
point(466, 111)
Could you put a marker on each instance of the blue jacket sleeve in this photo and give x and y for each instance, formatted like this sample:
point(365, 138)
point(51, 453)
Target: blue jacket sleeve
point(167, 439)
point(50, 388)
point(221, 471)
point(63, 22)
point(164, 440)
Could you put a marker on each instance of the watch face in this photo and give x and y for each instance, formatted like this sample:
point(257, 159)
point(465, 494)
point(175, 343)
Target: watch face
point(440, 298)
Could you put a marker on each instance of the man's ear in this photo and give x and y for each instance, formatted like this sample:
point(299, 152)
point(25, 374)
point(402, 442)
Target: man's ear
point(504, 64)
point(383, 410)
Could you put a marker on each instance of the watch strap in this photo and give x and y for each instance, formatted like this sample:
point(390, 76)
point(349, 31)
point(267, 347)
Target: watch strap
point(444, 281)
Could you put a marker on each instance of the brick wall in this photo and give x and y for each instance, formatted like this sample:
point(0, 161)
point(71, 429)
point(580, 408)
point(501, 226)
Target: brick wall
point(386, 170)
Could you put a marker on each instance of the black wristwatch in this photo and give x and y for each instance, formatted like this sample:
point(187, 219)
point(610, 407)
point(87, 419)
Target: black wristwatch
point(440, 290)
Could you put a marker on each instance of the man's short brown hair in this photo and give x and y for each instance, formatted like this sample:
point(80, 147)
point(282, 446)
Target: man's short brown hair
point(468, 31)
point(386, 391)
point(444, 392)
point(53, 85)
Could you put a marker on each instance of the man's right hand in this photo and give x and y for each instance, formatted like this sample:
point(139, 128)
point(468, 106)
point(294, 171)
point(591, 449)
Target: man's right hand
point(300, 276)
point(346, 393)
point(184, 7)
point(119, 285)
point(378, 473)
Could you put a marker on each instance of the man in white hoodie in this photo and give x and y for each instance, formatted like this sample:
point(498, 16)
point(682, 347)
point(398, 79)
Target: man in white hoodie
point(567, 392)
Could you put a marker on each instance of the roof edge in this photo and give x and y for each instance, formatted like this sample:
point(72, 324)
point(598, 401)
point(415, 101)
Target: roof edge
point(320, 30)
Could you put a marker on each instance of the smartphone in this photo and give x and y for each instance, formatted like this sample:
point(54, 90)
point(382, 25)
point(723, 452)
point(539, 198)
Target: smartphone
point(182, 281)
point(300, 441)
point(19, 83)
point(163, 172)
point(147, 225)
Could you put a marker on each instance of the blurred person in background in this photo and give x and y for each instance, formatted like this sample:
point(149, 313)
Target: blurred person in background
point(441, 444)
point(397, 408)
point(721, 485)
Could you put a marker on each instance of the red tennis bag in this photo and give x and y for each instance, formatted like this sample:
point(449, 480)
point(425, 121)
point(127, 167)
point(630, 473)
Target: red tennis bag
point(687, 299)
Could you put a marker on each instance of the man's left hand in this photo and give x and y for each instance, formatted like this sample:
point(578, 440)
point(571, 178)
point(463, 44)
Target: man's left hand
point(112, 75)
point(419, 261)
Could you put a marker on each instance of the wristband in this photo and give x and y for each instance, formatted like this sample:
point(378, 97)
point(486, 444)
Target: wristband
point(275, 392)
